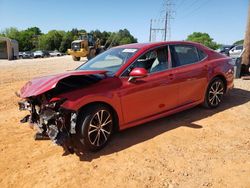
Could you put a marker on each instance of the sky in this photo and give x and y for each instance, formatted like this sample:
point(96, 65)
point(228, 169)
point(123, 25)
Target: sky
point(223, 20)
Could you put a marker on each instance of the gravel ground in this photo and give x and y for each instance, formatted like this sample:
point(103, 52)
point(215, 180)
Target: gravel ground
point(194, 148)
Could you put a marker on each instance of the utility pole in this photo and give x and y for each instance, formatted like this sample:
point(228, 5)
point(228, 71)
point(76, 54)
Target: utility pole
point(154, 30)
point(246, 55)
point(150, 32)
point(168, 8)
point(166, 26)
point(164, 29)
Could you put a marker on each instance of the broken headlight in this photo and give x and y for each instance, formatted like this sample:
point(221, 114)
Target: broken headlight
point(24, 105)
point(55, 103)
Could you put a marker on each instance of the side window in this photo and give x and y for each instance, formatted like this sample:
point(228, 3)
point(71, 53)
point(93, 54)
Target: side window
point(202, 55)
point(161, 61)
point(183, 55)
point(153, 61)
point(239, 47)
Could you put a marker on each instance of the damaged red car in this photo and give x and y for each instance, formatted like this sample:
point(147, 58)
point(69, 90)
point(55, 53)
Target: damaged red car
point(123, 87)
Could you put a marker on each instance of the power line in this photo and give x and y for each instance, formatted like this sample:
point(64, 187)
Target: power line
point(189, 5)
point(196, 9)
point(193, 3)
point(162, 26)
point(180, 4)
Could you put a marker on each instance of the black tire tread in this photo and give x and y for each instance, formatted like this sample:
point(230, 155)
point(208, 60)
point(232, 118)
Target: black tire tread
point(83, 119)
point(205, 103)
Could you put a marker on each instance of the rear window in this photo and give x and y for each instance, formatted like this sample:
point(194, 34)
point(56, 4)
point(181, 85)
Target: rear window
point(184, 55)
point(202, 55)
point(239, 47)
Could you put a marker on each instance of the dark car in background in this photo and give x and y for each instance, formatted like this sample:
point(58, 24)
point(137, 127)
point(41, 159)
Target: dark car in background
point(225, 49)
point(46, 53)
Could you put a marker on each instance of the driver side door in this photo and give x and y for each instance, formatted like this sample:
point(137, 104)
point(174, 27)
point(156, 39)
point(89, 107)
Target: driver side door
point(150, 95)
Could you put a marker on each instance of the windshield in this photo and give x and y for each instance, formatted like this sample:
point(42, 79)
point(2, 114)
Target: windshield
point(76, 46)
point(110, 60)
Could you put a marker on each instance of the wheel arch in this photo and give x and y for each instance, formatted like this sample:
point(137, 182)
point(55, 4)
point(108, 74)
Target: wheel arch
point(114, 112)
point(222, 77)
point(205, 100)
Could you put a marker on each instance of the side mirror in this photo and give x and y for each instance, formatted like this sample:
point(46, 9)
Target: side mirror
point(137, 73)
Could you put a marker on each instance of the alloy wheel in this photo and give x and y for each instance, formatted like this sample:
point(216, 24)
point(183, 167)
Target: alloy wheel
point(100, 128)
point(216, 92)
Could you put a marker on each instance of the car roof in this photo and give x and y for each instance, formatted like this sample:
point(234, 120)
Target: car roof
point(155, 44)
point(76, 41)
point(225, 46)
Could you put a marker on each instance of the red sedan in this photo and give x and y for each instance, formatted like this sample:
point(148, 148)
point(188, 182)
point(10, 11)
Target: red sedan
point(123, 87)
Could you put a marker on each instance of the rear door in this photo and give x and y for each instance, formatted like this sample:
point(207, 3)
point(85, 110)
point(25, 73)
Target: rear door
point(191, 70)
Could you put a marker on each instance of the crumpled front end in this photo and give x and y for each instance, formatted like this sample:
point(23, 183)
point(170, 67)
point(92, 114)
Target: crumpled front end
point(50, 120)
point(42, 98)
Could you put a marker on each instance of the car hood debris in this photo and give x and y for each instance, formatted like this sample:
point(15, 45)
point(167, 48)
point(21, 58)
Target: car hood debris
point(41, 85)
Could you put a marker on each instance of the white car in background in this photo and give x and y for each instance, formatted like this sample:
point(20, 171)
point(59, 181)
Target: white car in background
point(38, 54)
point(55, 53)
point(236, 51)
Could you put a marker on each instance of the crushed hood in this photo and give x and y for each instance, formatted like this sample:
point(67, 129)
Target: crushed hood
point(41, 85)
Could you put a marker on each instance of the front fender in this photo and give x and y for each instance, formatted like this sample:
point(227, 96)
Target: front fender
point(111, 100)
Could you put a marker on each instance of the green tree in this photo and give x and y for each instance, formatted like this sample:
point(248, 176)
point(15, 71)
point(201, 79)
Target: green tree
point(52, 40)
point(27, 39)
point(34, 30)
point(32, 38)
point(239, 42)
point(66, 41)
point(11, 32)
point(105, 37)
point(99, 35)
point(76, 33)
point(33, 35)
point(121, 37)
point(203, 38)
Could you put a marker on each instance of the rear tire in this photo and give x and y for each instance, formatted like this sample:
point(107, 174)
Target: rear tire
point(94, 127)
point(214, 93)
point(76, 58)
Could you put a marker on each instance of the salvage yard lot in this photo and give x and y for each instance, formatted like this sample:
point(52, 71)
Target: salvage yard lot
point(194, 148)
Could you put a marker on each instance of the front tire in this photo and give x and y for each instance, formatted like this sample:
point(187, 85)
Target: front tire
point(95, 127)
point(215, 93)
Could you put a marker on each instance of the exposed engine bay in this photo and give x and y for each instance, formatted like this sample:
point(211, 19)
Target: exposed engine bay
point(49, 118)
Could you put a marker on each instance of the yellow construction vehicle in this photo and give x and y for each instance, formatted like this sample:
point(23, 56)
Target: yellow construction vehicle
point(85, 46)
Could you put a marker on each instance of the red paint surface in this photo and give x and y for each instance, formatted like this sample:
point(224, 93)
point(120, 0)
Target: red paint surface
point(147, 98)
point(40, 85)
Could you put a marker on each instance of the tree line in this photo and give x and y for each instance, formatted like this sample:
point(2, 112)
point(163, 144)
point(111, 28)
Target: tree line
point(33, 39)
point(205, 39)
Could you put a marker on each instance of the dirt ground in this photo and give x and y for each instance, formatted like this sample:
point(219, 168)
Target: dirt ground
point(194, 148)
